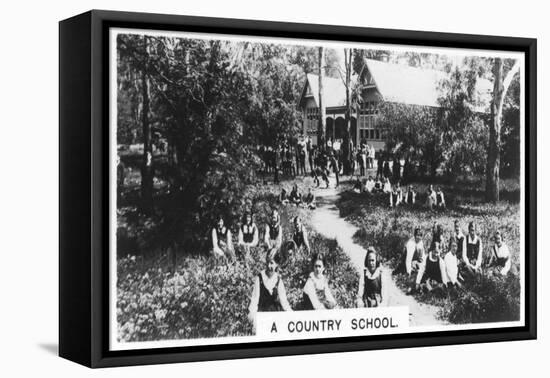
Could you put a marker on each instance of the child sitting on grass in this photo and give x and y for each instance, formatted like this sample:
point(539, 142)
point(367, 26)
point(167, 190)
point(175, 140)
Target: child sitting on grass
point(431, 273)
point(357, 186)
point(410, 196)
point(317, 294)
point(273, 235)
point(451, 265)
point(413, 255)
point(395, 196)
point(268, 293)
point(499, 260)
point(369, 185)
point(309, 200)
point(372, 282)
point(295, 196)
point(439, 198)
point(471, 258)
point(431, 199)
point(283, 197)
point(222, 245)
point(248, 236)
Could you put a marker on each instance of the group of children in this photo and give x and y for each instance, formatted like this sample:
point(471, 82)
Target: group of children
point(453, 262)
point(447, 263)
point(269, 293)
point(248, 238)
point(296, 198)
point(435, 198)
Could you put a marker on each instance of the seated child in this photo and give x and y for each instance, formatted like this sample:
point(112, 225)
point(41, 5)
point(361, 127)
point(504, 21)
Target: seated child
point(499, 260)
point(369, 185)
point(309, 200)
point(283, 197)
point(410, 196)
point(439, 198)
point(295, 196)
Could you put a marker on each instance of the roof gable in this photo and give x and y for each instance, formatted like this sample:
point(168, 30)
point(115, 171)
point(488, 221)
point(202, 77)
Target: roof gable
point(405, 84)
point(418, 86)
point(334, 90)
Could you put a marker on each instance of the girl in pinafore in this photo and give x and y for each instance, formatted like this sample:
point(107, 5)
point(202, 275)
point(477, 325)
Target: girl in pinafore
point(222, 245)
point(317, 294)
point(372, 285)
point(499, 260)
point(248, 235)
point(269, 292)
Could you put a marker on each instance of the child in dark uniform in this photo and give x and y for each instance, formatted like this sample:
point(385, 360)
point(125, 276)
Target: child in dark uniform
point(432, 271)
point(268, 293)
point(248, 235)
point(222, 245)
point(371, 291)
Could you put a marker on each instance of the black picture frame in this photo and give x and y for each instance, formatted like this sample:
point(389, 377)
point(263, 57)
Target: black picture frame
point(84, 195)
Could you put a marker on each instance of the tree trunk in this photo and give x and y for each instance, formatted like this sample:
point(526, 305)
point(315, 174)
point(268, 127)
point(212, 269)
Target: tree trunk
point(322, 127)
point(147, 164)
point(493, 157)
point(346, 150)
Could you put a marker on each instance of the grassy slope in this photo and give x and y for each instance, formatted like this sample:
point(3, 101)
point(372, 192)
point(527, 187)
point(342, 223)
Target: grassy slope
point(487, 299)
point(197, 297)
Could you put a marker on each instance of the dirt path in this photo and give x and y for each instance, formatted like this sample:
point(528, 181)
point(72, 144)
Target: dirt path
point(326, 220)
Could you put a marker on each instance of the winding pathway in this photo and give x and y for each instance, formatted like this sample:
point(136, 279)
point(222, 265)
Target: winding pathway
point(326, 221)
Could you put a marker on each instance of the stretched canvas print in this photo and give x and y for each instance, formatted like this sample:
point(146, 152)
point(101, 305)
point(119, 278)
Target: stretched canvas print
point(261, 188)
point(277, 189)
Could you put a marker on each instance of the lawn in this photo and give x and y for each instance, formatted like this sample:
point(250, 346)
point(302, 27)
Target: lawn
point(486, 299)
point(192, 296)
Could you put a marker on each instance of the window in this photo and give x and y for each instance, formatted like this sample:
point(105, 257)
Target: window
point(311, 120)
point(368, 128)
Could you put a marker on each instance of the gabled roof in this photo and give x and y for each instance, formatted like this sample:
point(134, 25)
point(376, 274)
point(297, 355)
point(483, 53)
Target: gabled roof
point(334, 90)
point(395, 83)
point(418, 86)
point(404, 84)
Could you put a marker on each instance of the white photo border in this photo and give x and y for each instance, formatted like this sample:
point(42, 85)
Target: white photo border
point(115, 345)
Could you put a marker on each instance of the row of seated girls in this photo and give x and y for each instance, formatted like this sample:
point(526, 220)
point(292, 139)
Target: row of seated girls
point(435, 198)
point(452, 262)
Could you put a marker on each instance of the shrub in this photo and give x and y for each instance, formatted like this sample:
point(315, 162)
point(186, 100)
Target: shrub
point(488, 298)
point(200, 298)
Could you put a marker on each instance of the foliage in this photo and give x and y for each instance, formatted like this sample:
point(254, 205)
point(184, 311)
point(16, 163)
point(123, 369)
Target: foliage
point(197, 297)
point(387, 229)
point(214, 102)
point(487, 299)
point(510, 133)
point(413, 132)
point(463, 128)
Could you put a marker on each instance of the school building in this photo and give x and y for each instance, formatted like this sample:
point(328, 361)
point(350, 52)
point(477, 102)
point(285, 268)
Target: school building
point(380, 82)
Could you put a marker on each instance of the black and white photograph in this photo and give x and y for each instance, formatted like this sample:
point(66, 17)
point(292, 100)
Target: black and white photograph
point(270, 189)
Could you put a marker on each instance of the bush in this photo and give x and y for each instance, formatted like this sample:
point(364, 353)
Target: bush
point(488, 298)
point(200, 298)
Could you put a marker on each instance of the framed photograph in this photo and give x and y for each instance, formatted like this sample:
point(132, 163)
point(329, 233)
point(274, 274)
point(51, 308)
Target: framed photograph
point(235, 188)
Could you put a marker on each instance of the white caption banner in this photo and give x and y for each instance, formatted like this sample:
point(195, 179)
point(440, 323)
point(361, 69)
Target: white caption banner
point(331, 323)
